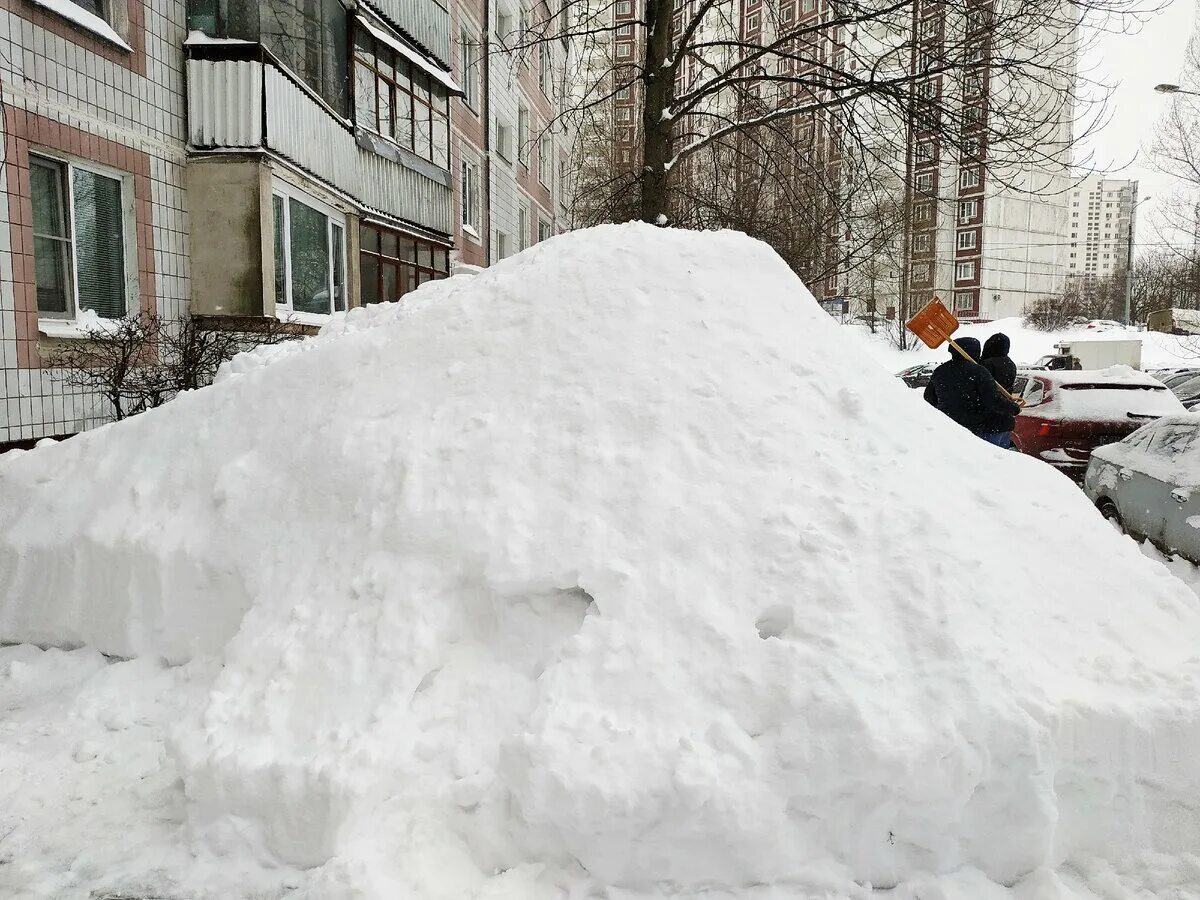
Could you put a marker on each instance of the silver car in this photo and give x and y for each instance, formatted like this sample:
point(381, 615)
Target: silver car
point(1149, 484)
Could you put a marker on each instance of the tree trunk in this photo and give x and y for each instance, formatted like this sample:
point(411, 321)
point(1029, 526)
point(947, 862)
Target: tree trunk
point(659, 87)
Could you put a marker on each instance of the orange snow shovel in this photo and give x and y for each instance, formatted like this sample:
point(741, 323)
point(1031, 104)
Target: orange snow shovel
point(934, 325)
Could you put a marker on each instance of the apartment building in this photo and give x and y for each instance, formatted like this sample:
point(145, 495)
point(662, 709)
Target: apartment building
point(511, 144)
point(1102, 224)
point(237, 161)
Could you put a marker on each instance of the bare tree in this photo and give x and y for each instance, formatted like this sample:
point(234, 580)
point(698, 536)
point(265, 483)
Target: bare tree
point(858, 77)
point(141, 361)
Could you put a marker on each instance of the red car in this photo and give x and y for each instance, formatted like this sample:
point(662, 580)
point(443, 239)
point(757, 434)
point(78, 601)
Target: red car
point(1067, 415)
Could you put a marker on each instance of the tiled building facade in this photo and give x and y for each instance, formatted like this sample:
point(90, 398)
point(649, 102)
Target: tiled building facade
point(238, 161)
point(86, 109)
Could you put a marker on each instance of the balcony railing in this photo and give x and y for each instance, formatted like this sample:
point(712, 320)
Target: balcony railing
point(252, 104)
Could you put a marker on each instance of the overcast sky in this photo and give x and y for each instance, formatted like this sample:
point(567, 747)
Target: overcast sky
point(1133, 64)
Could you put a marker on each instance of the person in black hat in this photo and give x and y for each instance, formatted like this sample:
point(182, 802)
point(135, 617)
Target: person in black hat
point(998, 429)
point(966, 392)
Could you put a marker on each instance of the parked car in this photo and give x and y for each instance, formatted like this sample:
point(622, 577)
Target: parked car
point(1069, 414)
point(917, 376)
point(1174, 377)
point(1146, 484)
point(1188, 391)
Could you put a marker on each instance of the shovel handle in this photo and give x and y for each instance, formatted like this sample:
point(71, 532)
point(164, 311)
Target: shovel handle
point(967, 356)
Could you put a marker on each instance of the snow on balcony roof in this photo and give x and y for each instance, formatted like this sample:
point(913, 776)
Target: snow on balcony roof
point(381, 33)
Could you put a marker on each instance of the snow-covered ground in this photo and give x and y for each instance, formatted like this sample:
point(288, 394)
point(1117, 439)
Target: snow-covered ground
point(1028, 345)
point(569, 581)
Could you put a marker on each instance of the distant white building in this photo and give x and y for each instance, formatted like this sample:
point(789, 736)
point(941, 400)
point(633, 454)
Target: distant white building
point(1101, 226)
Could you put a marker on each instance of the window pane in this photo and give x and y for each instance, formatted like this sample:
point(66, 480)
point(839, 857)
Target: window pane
point(369, 278)
point(440, 261)
point(391, 290)
point(408, 279)
point(51, 274)
point(389, 244)
point(51, 249)
point(309, 242)
point(95, 7)
point(339, 267)
point(404, 126)
point(408, 249)
point(441, 142)
point(46, 185)
point(422, 131)
point(99, 244)
point(425, 255)
point(385, 108)
point(364, 97)
point(280, 260)
point(369, 238)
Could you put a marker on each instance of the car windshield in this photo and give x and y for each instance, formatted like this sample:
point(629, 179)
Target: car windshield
point(1175, 379)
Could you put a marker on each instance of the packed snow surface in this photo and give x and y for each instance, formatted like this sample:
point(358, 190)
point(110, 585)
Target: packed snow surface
point(613, 571)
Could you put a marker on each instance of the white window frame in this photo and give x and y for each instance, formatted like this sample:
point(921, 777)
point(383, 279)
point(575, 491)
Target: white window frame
point(471, 211)
point(545, 229)
point(546, 69)
point(523, 133)
point(968, 178)
point(964, 271)
point(128, 233)
point(920, 271)
point(470, 60)
point(504, 140)
point(524, 217)
point(924, 181)
point(970, 242)
point(545, 160)
point(963, 300)
point(624, 50)
point(922, 212)
point(624, 7)
point(965, 218)
point(921, 243)
point(333, 219)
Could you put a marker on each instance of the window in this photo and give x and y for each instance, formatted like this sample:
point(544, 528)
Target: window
point(922, 212)
point(504, 23)
point(925, 151)
point(523, 220)
point(400, 101)
point(468, 66)
point(972, 85)
point(625, 93)
point(81, 219)
point(924, 182)
point(971, 116)
point(504, 141)
point(95, 7)
point(624, 50)
point(929, 27)
point(966, 240)
point(470, 197)
point(545, 229)
point(920, 271)
point(392, 263)
point(624, 8)
point(787, 14)
point(753, 22)
point(964, 271)
point(523, 134)
point(968, 178)
point(970, 148)
point(523, 18)
point(544, 167)
point(921, 243)
point(546, 68)
point(624, 114)
point(310, 37)
point(503, 245)
point(963, 300)
point(809, 5)
point(310, 256)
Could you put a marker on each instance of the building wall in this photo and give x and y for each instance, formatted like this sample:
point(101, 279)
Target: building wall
point(1102, 217)
point(73, 94)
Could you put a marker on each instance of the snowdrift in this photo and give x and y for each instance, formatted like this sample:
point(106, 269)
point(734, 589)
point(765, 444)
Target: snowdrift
point(617, 564)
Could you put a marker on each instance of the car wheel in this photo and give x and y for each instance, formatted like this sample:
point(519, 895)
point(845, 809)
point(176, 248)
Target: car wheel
point(1109, 510)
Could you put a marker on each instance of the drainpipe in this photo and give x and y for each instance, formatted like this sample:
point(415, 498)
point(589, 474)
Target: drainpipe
point(486, 80)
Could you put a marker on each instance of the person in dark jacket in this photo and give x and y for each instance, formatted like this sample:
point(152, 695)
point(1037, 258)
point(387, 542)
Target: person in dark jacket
point(965, 391)
point(998, 429)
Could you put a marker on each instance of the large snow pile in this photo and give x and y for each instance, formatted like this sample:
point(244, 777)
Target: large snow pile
point(613, 568)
